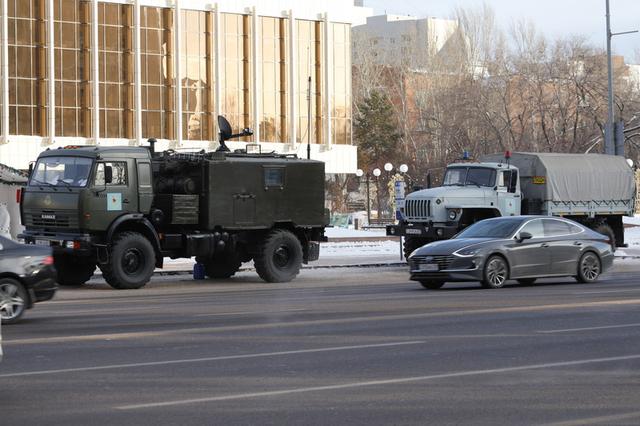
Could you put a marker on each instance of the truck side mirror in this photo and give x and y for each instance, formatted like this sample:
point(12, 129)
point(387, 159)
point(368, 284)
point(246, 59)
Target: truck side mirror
point(524, 236)
point(108, 174)
point(30, 169)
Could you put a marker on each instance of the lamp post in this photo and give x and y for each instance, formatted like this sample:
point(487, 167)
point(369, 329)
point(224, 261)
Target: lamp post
point(613, 138)
point(360, 173)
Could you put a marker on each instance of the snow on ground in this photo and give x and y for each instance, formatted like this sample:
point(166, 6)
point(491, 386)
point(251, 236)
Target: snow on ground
point(631, 220)
point(336, 232)
point(360, 248)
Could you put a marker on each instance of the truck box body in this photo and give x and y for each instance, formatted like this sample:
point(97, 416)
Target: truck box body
point(244, 192)
point(573, 184)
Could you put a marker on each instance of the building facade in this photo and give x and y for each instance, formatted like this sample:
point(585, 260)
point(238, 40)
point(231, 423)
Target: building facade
point(395, 40)
point(120, 71)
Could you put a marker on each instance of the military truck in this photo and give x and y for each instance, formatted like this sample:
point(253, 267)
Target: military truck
point(124, 209)
point(594, 189)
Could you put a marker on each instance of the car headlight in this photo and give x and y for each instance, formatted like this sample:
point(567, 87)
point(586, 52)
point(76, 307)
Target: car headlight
point(466, 252)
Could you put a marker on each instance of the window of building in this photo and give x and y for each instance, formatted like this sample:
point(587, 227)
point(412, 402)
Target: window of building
point(236, 70)
point(157, 73)
point(27, 67)
point(196, 70)
point(72, 46)
point(273, 125)
point(341, 85)
point(116, 62)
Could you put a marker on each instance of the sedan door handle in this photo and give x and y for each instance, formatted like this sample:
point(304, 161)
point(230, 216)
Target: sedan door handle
point(544, 245)
point(577, 243)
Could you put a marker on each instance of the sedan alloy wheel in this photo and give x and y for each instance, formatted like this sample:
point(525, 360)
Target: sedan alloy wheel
point(496, 272)
point(13, 300)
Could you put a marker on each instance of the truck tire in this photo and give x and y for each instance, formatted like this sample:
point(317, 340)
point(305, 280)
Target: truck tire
point(605, 229)
point(279, 257)
point(412, 243)
point(74, 271)
point(132, 261)
point(221, 267)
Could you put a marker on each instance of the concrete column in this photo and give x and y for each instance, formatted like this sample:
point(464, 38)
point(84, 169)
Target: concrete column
point(95, 71)
point(4, 62)
point(137, 73)
point(293, 78)
point(327, 78)
point(257, 73)
point(217, 36)
point(177, 25)
point(51, 76)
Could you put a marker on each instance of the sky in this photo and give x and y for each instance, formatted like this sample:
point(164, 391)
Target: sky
point(554, 18)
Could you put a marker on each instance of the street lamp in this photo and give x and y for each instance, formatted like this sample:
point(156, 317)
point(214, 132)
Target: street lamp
point(611, 133)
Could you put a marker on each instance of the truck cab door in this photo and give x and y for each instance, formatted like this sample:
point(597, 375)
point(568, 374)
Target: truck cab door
point(111, 198)
point(145, 188)
point(507, 192)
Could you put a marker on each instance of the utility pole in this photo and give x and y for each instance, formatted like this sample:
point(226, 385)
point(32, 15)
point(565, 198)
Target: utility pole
point(613, 131)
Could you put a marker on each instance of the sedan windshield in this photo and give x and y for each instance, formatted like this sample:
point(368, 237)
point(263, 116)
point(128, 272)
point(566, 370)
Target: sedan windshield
point(464, 176)
point(502, 228)
point(61, 171)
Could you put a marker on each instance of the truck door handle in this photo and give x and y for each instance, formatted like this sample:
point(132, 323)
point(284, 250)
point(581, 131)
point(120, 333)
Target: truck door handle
point(125, 201)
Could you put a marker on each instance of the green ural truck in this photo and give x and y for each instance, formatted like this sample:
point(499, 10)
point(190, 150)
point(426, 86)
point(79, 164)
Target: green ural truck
point(124, 209)
point(593, 189)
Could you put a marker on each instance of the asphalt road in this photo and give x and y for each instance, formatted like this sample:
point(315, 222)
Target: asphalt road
point(337, 346)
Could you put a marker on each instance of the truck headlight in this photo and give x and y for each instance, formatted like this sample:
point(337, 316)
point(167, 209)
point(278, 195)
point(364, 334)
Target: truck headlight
point(452, 215)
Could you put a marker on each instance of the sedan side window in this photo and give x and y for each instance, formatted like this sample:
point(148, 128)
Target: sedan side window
point(555, 228)
point(535, 228)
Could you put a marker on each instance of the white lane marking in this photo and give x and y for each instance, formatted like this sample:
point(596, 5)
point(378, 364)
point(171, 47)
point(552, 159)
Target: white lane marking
point(603, 327)
point(607, 420)
point(250, 313)
point(318, 322)
point(607, 291)
point(215, 358)
point(377, 382)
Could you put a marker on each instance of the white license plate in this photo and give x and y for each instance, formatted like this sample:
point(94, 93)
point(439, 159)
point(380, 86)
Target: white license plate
point(429, 267)
point(43, 243)
point(413, 231)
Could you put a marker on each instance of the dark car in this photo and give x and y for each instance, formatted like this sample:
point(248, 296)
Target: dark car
point(523, 248)
point(27, 276)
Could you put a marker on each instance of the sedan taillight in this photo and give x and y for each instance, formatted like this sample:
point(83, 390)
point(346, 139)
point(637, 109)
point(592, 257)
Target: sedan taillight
point(48, 260)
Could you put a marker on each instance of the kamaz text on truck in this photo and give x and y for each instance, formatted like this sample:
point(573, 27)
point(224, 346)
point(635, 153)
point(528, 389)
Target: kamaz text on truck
point(593, 189)
point(124, 209)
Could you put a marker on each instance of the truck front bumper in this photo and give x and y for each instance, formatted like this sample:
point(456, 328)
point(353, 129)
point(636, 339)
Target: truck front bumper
point(60, 242)
point(436, 231)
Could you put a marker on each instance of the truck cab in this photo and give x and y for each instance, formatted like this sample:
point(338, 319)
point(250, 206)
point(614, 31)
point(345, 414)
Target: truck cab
point(470, 192)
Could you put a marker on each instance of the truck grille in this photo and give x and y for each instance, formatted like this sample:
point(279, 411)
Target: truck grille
point(443, 261)
point(418, 209)
point(50, 220)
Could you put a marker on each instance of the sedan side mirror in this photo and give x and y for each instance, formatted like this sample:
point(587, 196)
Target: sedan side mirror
point(524, 236)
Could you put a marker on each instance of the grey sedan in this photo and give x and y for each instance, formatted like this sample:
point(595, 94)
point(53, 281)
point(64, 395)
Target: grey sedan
point(523, 248)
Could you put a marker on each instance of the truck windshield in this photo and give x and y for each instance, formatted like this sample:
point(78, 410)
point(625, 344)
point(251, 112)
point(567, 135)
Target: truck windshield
point(464, 176)
point(61, 171)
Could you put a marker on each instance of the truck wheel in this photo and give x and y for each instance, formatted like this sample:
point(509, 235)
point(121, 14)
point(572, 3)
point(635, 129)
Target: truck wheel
point(13, 300)
point(605, 229)
point(221, 267)
point(279, 257)
point(74, 271)
point(132, 261)
point(412, 243)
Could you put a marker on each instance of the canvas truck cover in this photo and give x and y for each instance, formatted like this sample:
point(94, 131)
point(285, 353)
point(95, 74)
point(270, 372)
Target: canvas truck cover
point(572, 177)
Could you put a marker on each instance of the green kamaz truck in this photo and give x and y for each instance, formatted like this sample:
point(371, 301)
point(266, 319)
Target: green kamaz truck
point(124, 209)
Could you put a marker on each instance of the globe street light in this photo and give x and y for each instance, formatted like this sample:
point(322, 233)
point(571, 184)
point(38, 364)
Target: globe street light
point(388, 167)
